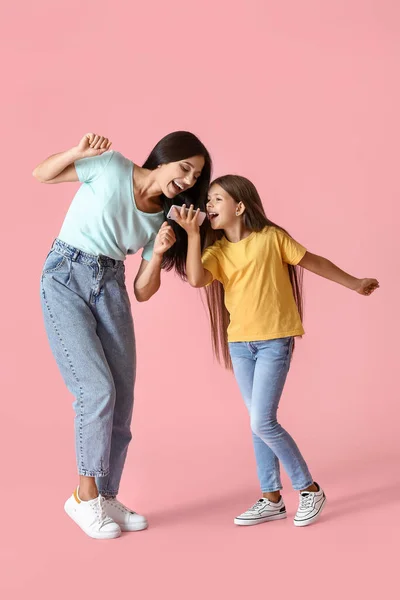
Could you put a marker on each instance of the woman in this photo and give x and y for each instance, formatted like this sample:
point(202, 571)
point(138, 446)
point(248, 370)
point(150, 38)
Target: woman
point(119, 208)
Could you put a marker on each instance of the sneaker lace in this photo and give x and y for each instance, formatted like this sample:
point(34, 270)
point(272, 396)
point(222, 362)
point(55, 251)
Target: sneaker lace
point(305, 501)
point(257, 505)
point(99, 510)
point(117, 504)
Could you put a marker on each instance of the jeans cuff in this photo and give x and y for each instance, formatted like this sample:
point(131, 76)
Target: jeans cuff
point(303, 487)
point(88, 473)
point(108, 493)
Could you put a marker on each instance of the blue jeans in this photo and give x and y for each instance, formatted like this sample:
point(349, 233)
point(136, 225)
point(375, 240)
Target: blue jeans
point(89, 325)
point(260, 369)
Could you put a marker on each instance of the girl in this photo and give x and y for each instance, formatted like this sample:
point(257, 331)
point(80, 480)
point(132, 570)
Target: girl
point(256, 312)
point(119, 208)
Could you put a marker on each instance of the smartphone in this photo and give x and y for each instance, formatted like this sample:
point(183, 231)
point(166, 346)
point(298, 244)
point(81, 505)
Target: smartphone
point(171, 215)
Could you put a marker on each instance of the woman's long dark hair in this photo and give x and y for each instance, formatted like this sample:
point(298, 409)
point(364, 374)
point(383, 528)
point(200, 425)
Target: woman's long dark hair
point(255, 219)
point(176, 146)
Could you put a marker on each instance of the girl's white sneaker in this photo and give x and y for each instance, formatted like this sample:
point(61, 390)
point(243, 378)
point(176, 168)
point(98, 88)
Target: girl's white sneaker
point(263, 510)
point(310, 507)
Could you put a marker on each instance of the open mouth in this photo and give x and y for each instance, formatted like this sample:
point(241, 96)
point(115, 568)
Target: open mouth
point(177, 186)
point(212, 215)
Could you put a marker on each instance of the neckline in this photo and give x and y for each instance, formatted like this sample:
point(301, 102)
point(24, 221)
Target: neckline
point(252, 234)
point(142, 212)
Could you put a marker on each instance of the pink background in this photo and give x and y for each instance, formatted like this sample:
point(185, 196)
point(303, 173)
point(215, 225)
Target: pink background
point(303, 98)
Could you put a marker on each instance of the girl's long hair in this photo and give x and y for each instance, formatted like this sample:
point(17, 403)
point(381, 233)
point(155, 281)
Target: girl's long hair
point(255, 219)
point(176, 146)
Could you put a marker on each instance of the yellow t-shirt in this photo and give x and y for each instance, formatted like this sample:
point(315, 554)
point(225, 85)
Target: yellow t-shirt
point(258, 292)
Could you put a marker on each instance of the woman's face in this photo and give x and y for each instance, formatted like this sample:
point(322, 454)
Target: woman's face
point(176, 177)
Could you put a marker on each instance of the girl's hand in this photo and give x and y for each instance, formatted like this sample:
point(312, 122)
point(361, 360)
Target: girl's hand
point(92, 145)
point(188, 219)
point(165, 239)
point(365, 287)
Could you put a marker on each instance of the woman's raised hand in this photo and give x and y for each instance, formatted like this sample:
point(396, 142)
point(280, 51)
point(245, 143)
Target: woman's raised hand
point(92, 145)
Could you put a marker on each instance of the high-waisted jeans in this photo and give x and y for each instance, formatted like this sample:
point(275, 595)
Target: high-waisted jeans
point(89, 325)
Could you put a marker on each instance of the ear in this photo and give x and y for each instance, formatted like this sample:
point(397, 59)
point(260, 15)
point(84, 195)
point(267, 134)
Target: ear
point(240, 209)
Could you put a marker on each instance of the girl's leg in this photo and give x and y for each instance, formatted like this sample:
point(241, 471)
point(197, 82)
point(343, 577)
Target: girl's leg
point(272, 365)
point(66, 288)
point(115, 329)
point(268, 471)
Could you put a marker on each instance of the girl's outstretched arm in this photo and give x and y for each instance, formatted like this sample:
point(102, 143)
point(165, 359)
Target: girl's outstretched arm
point(325, 268)
point(197, 275)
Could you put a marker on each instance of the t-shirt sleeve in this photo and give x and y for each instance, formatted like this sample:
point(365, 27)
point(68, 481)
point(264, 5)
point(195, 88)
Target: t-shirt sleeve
point(89, 169)
point(291, 251)
point(148, 249)
point(210, 262)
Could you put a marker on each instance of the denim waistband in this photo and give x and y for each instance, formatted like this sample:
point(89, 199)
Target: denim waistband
point(83, 257)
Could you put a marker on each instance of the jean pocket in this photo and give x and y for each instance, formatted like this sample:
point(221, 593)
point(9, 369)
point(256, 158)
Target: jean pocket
point(54, 262)
point(280, 347)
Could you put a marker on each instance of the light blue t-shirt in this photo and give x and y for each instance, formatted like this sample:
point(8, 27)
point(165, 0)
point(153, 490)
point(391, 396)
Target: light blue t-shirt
point(103, 217)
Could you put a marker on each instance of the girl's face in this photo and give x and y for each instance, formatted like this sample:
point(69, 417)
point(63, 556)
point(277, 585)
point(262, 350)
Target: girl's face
point(221, 208)
point(176, 177)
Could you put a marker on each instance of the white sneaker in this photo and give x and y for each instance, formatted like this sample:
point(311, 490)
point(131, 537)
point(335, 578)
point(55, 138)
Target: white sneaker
point(91, 517)
point(126, 518)
point(263, 510)
point(310, 507)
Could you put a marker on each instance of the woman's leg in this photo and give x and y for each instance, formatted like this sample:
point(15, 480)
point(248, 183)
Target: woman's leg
point(72, 331)
point(272, 366)
point(116, 332)
point(268, 471)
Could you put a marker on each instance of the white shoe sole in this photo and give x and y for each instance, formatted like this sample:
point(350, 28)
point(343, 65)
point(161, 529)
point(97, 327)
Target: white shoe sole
point(313, 519)
point(137, 527)
point(105, 535)
point(248, 522)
